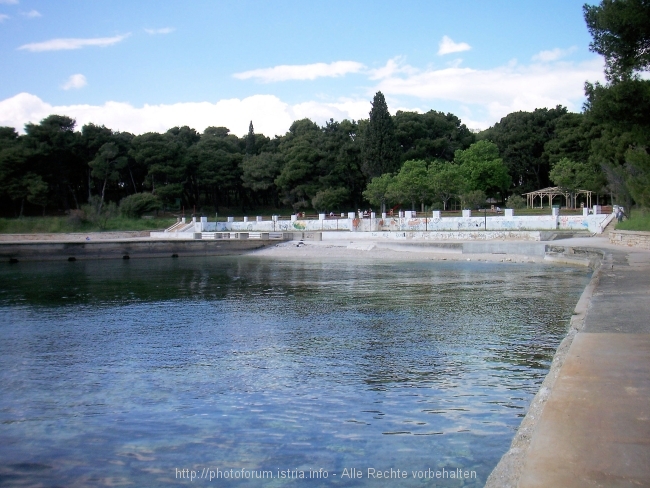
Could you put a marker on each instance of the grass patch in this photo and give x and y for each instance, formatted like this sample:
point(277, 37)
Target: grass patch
point(51, 225)
point(640, 221)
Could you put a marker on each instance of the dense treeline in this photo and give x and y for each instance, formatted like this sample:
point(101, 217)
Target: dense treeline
point(411, 159)
point(53, 168)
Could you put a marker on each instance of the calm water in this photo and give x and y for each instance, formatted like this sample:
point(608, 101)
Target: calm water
point(134, 371)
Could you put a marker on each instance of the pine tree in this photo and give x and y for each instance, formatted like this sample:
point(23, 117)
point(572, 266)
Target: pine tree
point(250, 140)
point(380, 148)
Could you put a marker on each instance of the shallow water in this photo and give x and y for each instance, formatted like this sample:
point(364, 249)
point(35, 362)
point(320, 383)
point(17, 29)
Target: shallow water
point(153, 371)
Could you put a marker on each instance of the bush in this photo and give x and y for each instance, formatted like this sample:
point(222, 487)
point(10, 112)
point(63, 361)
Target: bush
point(98, 213)
point(473, 199)
point(75, 218)
point(515, 201)
point(330, 199)
point(138, 204)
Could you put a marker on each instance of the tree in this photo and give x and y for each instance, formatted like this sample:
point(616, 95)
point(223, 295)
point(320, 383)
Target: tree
point(138, 204)
point(432, 135)
point(411, 184)
point(621, 110)
point(445, 181)
point(638, 180)
point(621, 33)
point(378, 190)
point(250, 140)
point(341, 165)
point(92, 138)
point(259, 173)
point(213, 166)
point(106, 167)
point(380, 152)
point(473, 199)
point(573, 176)
point(483, 169)
point(298, 181)
point(53, 151)
point(521, 138)
point(330, 199)
point(163, 158)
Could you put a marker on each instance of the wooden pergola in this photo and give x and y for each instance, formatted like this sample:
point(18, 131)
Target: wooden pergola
point(554, 191)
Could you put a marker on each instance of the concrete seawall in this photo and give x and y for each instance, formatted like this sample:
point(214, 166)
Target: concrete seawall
point(118, 249)
point(589, 423)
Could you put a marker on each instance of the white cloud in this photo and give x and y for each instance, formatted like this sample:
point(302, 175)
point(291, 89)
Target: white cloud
point(164, 30)
point(553, 54)
point(501, 90)
point(3, 17)
point(65, 44)
point(75, 81)
point(302, 71)
point(32, 14)
point(392, 67)
point(480, 97)
point(269, 114)
point(9, 2)
point(447, 46)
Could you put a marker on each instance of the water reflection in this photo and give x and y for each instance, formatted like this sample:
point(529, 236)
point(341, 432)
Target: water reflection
point(125, 370)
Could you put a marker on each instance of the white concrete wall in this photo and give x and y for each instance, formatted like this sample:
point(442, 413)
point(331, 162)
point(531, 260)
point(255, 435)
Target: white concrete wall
point(591, 223)
point(435, 235)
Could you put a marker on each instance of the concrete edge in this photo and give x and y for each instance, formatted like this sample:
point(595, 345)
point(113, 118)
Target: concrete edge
point(508, 471)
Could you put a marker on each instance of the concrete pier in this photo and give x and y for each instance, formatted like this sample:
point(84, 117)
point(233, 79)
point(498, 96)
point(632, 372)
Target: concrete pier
point(589, 425)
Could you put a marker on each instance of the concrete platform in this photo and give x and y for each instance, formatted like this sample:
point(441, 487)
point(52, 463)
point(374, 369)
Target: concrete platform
point(594, 429)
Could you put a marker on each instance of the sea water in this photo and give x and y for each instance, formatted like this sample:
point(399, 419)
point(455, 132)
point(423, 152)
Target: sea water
point(245, 371)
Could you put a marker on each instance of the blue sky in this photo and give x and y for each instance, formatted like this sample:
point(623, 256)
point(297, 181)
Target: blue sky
point(140, 66)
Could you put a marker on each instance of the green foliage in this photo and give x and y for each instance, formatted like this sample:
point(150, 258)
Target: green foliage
point(516, 202)
point(98, 214)
point(139, 204)
point(573, 176)
point(73, 223)
point(483, 169)
point(445, 181)
point(381, 153)
point(297, 180)
point(638, 179)
point(378, 189)
point(430, 136)
point(521, 138)
point(639, 220)
point(259, 172)
point(473, 199)
point(330, 199)
point(621, 33)
point(411, 184)
point(250, 140)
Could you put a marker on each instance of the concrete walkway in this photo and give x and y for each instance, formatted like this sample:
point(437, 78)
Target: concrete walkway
point(594, 429)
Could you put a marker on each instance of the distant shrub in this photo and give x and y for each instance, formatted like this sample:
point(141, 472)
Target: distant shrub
point(473, 199)
point(97, 212)
point(138, 204)
point(76, 218)
point(330, 199)
point(515, 201)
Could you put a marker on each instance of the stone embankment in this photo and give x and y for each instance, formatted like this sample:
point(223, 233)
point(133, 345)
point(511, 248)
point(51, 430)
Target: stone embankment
point(630, 238)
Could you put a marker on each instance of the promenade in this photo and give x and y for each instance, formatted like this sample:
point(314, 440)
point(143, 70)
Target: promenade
point(593, 425)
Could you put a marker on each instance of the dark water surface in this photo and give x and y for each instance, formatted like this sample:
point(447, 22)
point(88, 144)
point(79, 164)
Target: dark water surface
point(144, 372)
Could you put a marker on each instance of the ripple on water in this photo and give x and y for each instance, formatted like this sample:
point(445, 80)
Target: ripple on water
point(245, 363)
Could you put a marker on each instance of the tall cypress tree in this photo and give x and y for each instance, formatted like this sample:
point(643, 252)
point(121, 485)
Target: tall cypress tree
point(250, 140)
point(380, 148)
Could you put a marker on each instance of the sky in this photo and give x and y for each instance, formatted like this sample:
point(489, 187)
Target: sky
point(142, 66)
